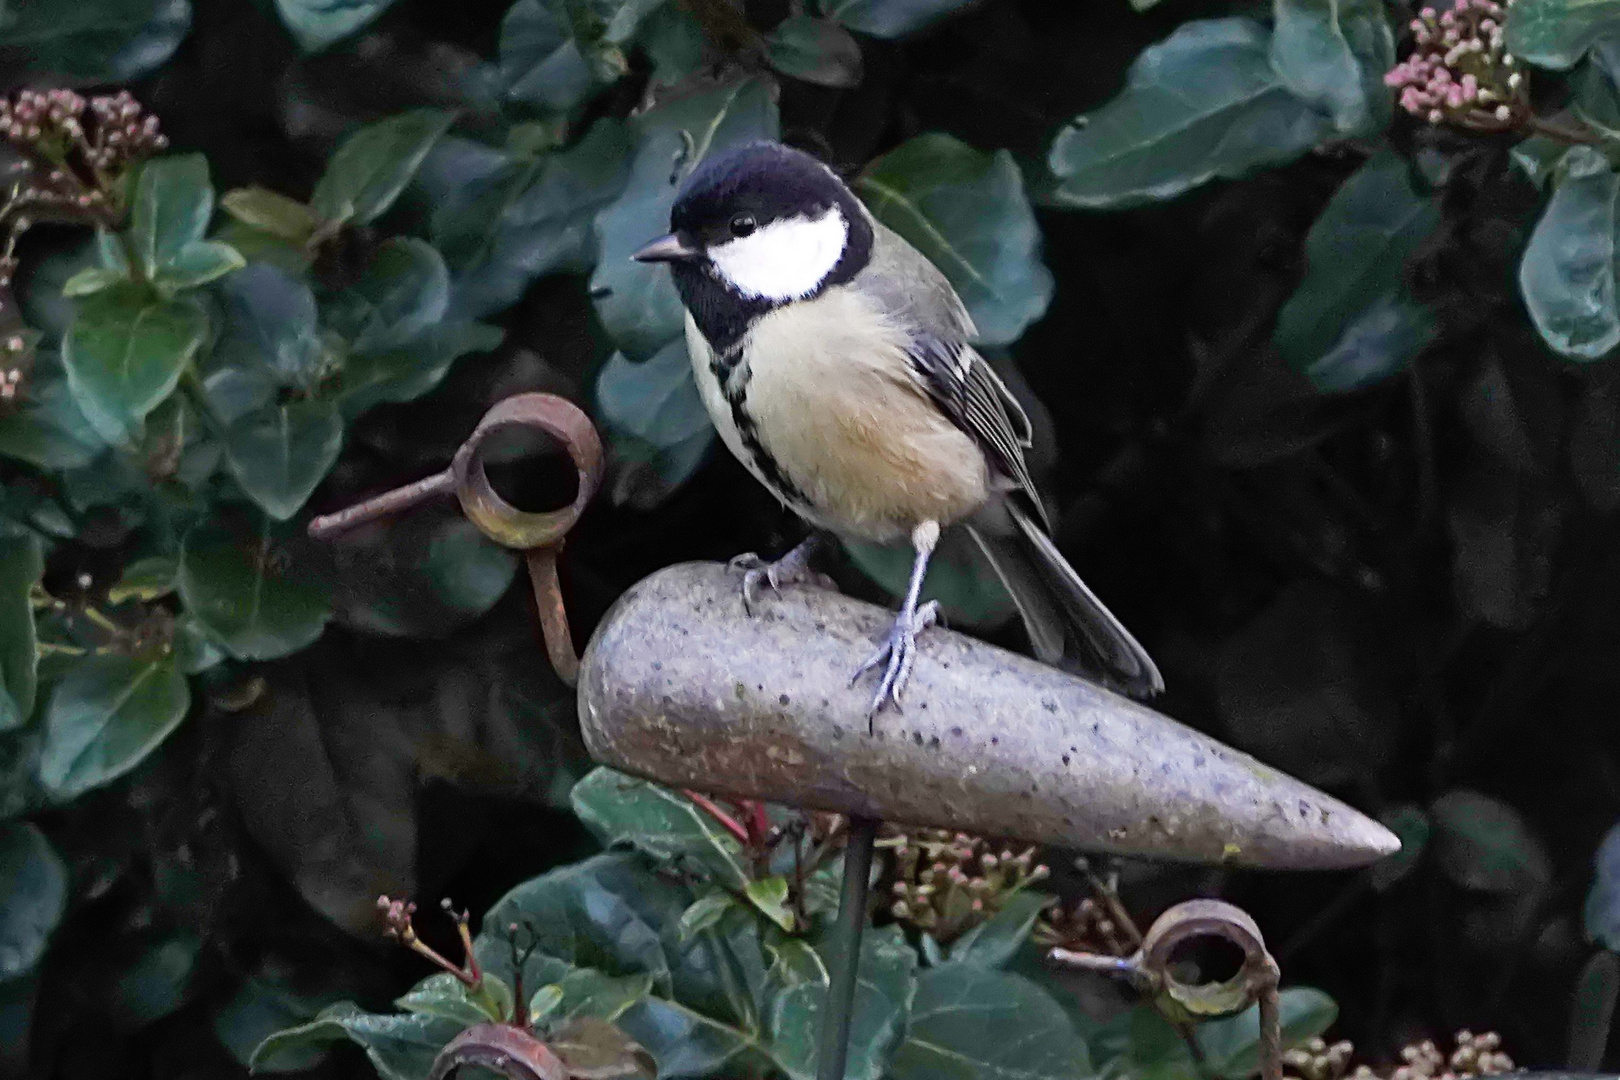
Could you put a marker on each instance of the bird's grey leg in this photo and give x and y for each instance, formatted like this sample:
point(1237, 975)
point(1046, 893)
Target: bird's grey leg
point(899, 649)
point(791, 569)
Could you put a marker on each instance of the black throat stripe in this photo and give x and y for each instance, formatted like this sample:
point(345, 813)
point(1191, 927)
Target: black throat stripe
point(733, 376)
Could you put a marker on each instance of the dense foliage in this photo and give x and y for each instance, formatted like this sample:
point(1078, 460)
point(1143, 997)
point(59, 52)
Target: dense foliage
point(1319, 347)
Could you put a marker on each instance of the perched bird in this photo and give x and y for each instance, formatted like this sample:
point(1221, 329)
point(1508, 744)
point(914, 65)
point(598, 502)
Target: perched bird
point(836, 363)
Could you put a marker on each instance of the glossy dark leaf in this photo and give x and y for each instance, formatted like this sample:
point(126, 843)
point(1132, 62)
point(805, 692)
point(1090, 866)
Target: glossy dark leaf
point(281, 452)
point(683, 1041)
point(890, 18)
point(124, 354)
point(372, 167)
point(108, 41)
point(264, 1005)
point(411, 370)
point(968, 213)
point(282, 217)
point(547, 62)
point(1334, 55)
point(446, 996)
point(271, 320)
point(105, 716)
point(1486, 845)
point(405, 290)
point(1204, 103)
point(665, 824)
point(520, 218)
point(969, 1020)
point(401, 1047)
point(993, 942)
point(173, 203)
point(1351, 322)
point(655, 404)
point(885, 985)
point(244, 598)
point(815, 50)
point(33, 895)
point(21, 564)
point(47, 429)
point(1556, 33)
point(319, 23)
point(1567, 273)
point(1232, 1045)
point(1539, 157)
point(637, 302)
point(1603, 898)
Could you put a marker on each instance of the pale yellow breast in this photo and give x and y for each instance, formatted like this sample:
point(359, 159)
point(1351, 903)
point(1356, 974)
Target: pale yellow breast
point(835, 403)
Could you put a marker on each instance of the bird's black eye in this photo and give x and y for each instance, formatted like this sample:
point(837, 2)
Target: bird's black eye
point(743, 224)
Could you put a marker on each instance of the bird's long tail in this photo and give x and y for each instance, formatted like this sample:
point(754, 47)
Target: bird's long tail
point(1064, 617)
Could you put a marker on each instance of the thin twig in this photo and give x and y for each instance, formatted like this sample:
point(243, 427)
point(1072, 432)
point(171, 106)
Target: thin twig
point(712, 808)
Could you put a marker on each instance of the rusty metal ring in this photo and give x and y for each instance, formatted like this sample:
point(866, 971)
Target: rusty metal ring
point(494, 516)
point(1195, 919)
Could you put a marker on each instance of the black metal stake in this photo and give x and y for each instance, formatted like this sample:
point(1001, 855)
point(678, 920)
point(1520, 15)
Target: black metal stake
point(846, 950)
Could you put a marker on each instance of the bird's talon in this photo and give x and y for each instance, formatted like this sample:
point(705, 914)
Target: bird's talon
point(791, 569)
point(897, 654)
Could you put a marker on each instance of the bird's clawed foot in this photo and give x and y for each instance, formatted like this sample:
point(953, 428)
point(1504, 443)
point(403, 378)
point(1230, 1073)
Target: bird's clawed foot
point(897, 654)
point(791, 569)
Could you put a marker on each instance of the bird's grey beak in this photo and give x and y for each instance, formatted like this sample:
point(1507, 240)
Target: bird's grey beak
point(669, 248)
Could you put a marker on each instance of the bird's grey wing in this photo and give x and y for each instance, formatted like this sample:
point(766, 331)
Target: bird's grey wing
point(913, 292)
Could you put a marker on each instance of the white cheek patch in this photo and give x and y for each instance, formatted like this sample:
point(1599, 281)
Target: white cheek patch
point(784, 260)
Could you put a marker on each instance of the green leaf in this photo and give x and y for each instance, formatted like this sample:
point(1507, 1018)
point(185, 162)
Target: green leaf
point(1567, 273)
point(281, 452)
point(673, 41)
point(993, 942)
point(653, 410)
point(969, 1020)
point(372, 167)
point(171, 210)
point(1487, 846)
point(410, 371)
point(1204, 103)
point(1539, 158)
point(587, 992)
point(1232, 1045)
point(770, 896)
point(319, 23)
point(47, 428)
point(683, 1041)
point(92, 279)
point(21, 564)
point(105, 716)
point(264, 1005)
point(198, 263)
point(124, 354)
point(705, 912)
point(637, 302)
point(274, 213)
point(885, 985)
point(890, 18)
point(1333, 54)
point(109, 41)
point(146, 580)
point(33, 895)
point(446, 996)
point(546, 1000)
point(271, 321)
point(242, 600)
point(968, 213)
point(1351, 322)
point(1557, 33)
point(400, 1047)
point(815, 50)
point(518, 219)
point(1603, 899)
point(405, 290)
point(158, 982)
point(621, 809)
point(550, 59)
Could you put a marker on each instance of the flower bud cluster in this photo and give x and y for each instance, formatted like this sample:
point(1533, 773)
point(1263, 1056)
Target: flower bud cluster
point(1459, 72)
point(104, 133)
point(1084, 926)
point(947, 883)
point(1475, 1055)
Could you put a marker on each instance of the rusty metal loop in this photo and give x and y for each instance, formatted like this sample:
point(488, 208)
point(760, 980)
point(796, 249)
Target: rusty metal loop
point(494, 516)
point(502, 1048)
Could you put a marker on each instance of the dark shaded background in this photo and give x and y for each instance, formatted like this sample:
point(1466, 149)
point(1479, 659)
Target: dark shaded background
point(1394, 595)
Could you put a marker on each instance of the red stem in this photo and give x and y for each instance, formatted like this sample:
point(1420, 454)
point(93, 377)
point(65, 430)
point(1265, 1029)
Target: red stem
point(710, 807)
point(761, 823)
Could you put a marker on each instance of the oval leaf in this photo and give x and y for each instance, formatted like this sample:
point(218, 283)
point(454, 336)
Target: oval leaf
point(1204, 103)
point(1557, 33)
point(124, 354)
point(105, 716)
point(816, 50)
point(241, 599)
point(405, 290)
point(621, 809)
point(281, 452)
point(891, 18)
point(1568, 270)
point(33, 895)
point(271, 321)
point(969, 1020)
point(21, 564)
point(319, 23)
point(174, 201)
point(967, 212)
point(373, 165)
point(1333, 54)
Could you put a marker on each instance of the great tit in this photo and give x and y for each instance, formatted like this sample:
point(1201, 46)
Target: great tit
point(836, 363)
